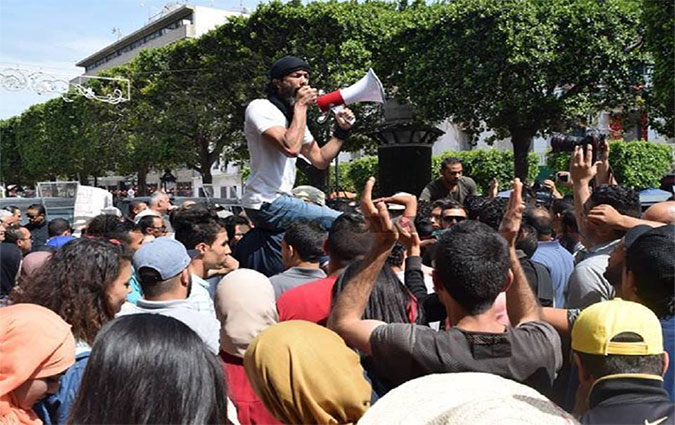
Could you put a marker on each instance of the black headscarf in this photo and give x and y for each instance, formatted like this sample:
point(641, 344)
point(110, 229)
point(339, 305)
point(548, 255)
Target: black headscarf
point(286, 65)
point(279, 69)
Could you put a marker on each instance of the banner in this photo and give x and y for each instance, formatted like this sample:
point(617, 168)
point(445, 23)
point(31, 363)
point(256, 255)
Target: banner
point(89, 201)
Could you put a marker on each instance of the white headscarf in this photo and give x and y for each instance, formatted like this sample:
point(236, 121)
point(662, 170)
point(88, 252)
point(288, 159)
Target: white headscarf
point(245, 305)
point(465, 398)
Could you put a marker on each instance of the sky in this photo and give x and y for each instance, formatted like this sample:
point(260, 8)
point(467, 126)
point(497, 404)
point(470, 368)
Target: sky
point(50, 36)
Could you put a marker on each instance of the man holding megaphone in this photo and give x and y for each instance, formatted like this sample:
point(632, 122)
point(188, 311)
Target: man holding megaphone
point(276, 133)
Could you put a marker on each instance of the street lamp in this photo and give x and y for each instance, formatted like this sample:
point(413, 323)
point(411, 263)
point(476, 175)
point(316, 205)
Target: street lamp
point(404, 151)
point(168, 181)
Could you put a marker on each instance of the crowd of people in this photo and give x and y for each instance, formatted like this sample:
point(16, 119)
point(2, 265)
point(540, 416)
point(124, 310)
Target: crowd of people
point(450, 308)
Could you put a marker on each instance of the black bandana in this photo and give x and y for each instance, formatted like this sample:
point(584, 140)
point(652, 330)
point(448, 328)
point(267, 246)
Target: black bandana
point(286, 65)
point(282, 105)
point(279, 69)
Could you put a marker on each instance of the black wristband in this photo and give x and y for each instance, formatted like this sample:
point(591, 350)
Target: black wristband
point(341, 133)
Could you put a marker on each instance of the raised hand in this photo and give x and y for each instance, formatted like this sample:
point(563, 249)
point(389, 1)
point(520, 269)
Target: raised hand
point(605, 215)
point(378, 219)
point(582, 168)
point(407, 200)
point(306, 96)
point(510, 225)
point(494, 188)
point(550, 185)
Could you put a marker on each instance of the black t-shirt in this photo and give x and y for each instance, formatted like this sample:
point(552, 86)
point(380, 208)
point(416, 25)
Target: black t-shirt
point(38, 233)
point(530, 353)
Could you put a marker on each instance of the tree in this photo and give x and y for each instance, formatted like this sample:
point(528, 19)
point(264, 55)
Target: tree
point(519, 67)
point(339, 40)
point(10, 158)
point(137, 127)
point(659, 23)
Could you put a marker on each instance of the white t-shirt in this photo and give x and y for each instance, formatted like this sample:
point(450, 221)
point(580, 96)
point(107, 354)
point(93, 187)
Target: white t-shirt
point(272, 172)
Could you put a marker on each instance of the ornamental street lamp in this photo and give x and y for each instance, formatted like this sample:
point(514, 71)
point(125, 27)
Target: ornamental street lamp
point(404, 151)
point(168, 181)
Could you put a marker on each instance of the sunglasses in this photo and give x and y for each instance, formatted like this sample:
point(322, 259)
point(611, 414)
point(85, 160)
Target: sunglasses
point(451, 218)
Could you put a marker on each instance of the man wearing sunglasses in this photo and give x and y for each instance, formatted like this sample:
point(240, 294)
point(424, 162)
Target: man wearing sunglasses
point(452, 214)
point(37, 225)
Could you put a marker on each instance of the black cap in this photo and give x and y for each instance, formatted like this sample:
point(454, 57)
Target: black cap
point(634, 233)
point(651, 254)
point(286, 65)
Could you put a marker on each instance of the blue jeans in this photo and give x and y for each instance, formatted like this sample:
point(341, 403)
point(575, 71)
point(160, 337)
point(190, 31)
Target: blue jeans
point(285, 210)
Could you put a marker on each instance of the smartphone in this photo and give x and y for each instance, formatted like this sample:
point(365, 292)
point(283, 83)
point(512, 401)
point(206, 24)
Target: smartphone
point(562, 177)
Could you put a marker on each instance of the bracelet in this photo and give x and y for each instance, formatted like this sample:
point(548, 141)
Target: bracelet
point(341, 133)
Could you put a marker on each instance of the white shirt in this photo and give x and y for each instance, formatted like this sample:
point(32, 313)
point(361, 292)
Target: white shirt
point(204, 325)
point(199, 297)
point(272, 172)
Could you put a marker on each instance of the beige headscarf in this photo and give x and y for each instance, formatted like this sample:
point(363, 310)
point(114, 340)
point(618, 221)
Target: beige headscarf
point(34, 343)
point(245, 306)
point(305, 374)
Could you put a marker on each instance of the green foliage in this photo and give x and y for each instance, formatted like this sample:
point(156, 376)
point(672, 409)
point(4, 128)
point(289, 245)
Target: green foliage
point(659, 24)
point(519, 67)
point(360, 170)
point(10, 157)
point(340, 40)
point(353, 174)
point(641, 164)
point(482, 165)
point(638, 165)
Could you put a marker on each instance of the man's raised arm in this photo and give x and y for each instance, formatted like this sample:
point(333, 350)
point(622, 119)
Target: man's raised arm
point(289, 140)
point(520, 302)
point(345, 317)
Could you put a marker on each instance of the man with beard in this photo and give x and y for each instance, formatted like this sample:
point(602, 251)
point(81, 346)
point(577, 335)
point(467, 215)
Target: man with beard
point(276, 133)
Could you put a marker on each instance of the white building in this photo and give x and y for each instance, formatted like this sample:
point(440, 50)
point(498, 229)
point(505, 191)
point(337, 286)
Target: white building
point(174, 23)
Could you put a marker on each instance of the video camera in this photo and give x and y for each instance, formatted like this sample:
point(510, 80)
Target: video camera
point(566, 143)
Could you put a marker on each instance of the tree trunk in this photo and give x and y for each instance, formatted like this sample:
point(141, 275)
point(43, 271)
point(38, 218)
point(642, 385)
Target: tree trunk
point(207, 177)
point(142, 183)
point(521, 148)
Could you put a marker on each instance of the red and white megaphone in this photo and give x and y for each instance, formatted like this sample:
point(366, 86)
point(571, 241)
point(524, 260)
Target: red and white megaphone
point(367, 89)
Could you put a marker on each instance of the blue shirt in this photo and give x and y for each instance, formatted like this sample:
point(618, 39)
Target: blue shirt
point(136, 291)
point(560, 263)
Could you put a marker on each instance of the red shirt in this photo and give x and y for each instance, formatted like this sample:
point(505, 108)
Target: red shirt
point(250, 409)
point(310, 301)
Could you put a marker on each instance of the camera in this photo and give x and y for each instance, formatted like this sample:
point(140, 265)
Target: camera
point(539, 194)
point(566, 143)
point(562, 177)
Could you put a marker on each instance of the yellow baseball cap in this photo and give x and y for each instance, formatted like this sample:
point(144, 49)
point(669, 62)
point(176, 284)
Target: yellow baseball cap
point(598, 324)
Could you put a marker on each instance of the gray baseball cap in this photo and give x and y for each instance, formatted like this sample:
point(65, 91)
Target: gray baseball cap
point(165, 255)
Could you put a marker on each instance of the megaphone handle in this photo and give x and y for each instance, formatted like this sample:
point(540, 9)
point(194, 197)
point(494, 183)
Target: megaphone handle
point(340, 108)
